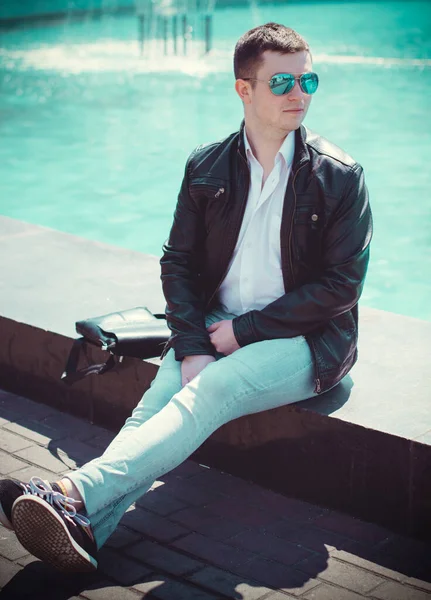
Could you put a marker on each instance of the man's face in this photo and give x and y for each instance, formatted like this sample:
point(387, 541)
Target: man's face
point(286, 112)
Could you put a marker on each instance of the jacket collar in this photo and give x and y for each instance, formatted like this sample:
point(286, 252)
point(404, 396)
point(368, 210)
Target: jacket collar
point(301, 150)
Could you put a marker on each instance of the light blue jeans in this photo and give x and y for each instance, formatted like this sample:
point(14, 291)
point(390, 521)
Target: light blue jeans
point(171, 422)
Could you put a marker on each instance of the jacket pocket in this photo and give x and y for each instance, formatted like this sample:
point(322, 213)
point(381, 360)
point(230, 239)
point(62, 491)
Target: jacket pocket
point(210, 195)
point(208, 187)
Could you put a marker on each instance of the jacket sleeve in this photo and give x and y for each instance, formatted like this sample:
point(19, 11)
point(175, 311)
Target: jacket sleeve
point(345, 250)
point(180, 277)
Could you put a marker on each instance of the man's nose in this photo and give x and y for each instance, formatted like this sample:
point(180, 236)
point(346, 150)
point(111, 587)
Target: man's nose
point(296, 91)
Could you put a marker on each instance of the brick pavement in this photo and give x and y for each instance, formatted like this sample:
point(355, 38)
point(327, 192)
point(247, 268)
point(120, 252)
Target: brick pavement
point(200, 534)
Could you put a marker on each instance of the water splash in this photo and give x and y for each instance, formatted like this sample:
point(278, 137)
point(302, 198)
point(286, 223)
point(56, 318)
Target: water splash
point(124, 56)
point(378, 61)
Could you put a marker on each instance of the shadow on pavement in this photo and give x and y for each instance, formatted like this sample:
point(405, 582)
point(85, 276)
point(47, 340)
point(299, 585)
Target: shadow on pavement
point(39, 581)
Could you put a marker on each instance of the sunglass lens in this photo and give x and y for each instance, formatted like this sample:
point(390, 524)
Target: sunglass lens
point(282, 83)
point(309, 83)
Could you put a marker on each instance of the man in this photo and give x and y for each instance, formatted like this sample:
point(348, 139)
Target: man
point(262, 273)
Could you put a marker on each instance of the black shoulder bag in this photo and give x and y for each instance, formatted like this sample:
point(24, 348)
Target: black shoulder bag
point(135, 332)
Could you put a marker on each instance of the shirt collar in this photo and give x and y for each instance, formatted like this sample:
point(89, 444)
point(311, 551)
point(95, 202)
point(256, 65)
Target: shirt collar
point(287, 149)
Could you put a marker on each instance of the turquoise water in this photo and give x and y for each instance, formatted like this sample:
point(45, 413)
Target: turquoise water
point(93, 137)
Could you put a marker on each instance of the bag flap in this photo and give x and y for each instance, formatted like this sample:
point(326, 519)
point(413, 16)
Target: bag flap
point(108, 329)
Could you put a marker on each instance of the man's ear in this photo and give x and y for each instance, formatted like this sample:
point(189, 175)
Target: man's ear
point(243, 89)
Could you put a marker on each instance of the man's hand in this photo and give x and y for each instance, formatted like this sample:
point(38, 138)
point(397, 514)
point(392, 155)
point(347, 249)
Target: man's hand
point(193, 365)
point(222, 337)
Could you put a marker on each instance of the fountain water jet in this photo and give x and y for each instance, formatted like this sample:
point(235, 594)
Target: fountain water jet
point(158, 20)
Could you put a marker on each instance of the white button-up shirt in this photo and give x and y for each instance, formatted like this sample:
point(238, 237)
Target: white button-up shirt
point(254, 278)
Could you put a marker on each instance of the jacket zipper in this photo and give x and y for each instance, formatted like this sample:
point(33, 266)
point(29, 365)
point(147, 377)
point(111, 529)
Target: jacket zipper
point(221, 190)
point(291, 225)
point(318, 388)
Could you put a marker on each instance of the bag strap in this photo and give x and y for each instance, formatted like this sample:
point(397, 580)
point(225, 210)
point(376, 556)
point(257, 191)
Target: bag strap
point(71, 372)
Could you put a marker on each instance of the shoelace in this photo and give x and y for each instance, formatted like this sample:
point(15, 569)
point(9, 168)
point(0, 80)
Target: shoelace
point(37, 487)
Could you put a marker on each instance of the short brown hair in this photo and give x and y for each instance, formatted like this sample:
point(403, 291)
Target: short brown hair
point(271, 36)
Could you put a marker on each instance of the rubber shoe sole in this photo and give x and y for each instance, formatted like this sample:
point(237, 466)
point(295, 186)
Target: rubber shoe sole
point(44, 534)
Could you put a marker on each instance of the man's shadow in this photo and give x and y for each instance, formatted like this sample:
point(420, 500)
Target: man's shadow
point(40, 581)
point(408, 558)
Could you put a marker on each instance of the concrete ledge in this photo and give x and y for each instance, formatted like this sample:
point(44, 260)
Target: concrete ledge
point(363, 448)
point(32, 361)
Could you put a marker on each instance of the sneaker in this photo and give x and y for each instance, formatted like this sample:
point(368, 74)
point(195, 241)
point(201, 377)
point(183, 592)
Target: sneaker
point(50, 528)
point(11, 489)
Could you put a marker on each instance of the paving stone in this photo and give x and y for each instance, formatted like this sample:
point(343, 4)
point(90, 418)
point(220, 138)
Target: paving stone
point(269, 546)
point(403, 546)
point(395, 591)
point(17, 405)
point(81, 452)
point(39, 580)
point(122, 569)
point(277, 576)
point(34, 430)
point(9, 463)
point(149, 586)
point(104, 590)
point(408, 566)
point(206, 522)
point(419, 583)
point(228, 584)
point(408, 556)
point(8, 416)
point(27, 560)
point(10, 547)
point(255, 495)
point(189, 468)
point(8, 570)
point(157, 485)
point(355, 529)
point(250, 516)
point(9, 442)
point(160, 502)
point(279, 596)
point(191, 494)
point(285, 507)
point(73, 427)
point(157, 527)
point(366, 564)
point(32, 471)
point(42, 457)
point(310, 537)
point(340, 573)
point(226, 484)
point(216, 553)
point(166, 559)
point(325, 591)
point(165, 588)
point(122, 537)
point(102, 440)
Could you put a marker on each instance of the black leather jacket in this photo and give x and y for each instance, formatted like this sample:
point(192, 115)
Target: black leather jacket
point(325, 234)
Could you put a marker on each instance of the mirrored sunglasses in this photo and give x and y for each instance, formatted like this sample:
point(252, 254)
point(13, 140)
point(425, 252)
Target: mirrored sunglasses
point(283, 83)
